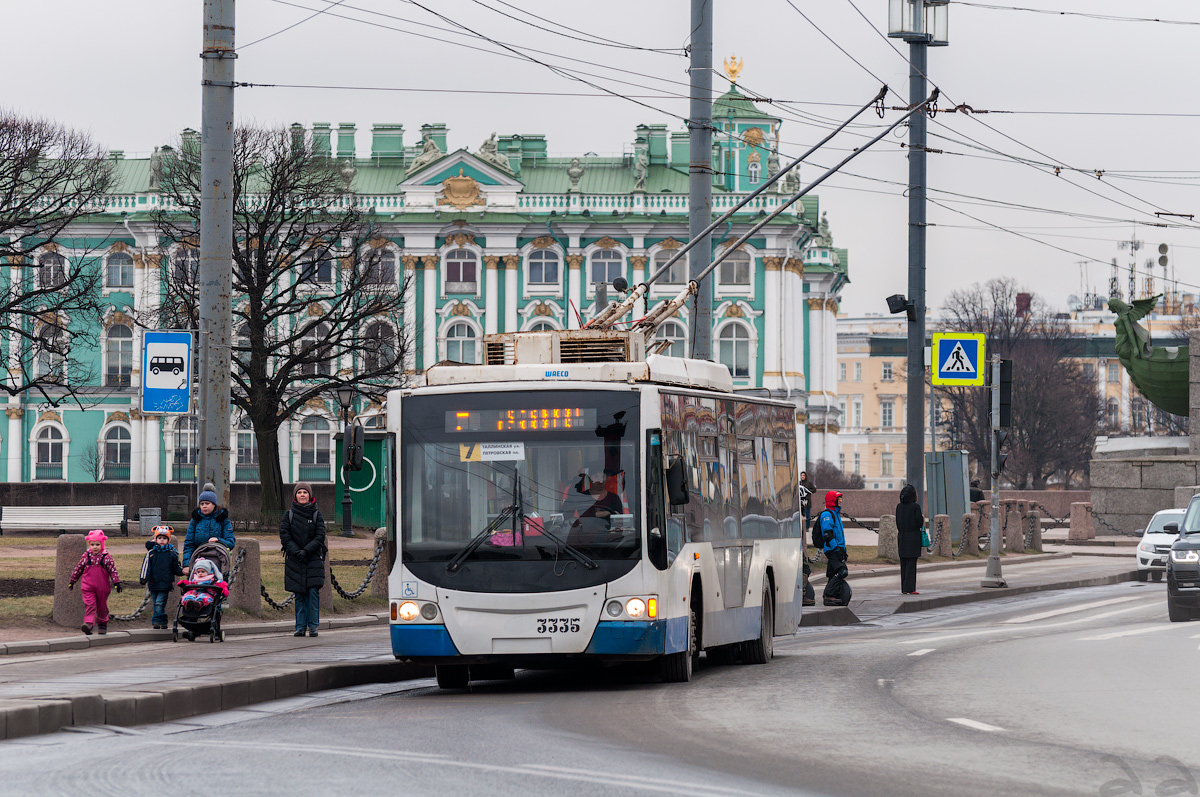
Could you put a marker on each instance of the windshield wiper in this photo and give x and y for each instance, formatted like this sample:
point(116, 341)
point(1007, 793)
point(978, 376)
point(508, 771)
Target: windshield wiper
point(479, 539)
point(574, 553)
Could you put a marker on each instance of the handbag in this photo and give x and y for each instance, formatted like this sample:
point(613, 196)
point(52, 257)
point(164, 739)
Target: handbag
point(925, 543)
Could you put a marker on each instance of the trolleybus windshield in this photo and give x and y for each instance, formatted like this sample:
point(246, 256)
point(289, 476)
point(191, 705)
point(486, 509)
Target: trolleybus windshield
point(520, 491)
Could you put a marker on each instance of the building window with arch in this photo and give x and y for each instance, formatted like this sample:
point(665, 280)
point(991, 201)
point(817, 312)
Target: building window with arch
point(118, 355)
point(317, 355)
point(185, 265)
point(50, 354)
point(676, 274)
point(247, 451)
point(674, 332)
point(541, 325)
point(49, 453)
point(52, 270)
point(607, 265)
point(379, 348)
point(752, 173)
point(316, 444)
point(1112, 414)
point(460, 345)
point(118, 451)
point(187, 448)
point(118, 271)
point(735, 269)
point(733, 349)
point(317, 270)
point(462, 271)
point(381, 267)
point(1138, 416)
point(543, 269)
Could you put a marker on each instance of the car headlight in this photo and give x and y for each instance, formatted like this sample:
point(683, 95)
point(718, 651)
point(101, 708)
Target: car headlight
point(1146, 546)
point(635, 607)
point(1185, 556)
point(409, 611)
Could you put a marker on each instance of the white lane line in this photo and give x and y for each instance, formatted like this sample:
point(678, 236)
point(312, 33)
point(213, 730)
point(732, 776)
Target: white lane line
point(1082, 607)
point(1006, 629)
point(1130, 632)
point(922, 651)
point(979, 726)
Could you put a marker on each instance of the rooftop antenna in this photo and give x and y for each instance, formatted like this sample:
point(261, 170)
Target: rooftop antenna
point(1133, 245)
point(1114, 282)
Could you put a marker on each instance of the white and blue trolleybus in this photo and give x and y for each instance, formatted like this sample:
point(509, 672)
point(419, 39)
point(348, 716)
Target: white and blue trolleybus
point(576, 499)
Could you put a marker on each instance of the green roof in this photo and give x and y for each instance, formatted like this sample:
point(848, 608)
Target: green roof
point(734, 103)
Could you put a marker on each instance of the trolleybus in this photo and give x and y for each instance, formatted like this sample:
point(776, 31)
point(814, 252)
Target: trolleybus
point(574, 499)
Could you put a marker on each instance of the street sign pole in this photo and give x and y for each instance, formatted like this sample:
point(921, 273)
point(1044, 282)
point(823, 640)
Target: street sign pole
point(992, 576)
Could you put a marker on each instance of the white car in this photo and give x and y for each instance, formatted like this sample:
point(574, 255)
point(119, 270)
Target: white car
point(1152, 551)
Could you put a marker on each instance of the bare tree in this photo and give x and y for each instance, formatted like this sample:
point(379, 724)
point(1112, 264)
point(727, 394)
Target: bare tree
point(91, 461)
point(317, 303)
point(827, 476)
point(1055, 410)
point(50, 177)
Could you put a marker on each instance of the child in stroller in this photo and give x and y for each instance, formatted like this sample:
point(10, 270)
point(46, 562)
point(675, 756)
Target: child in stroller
point(204, 592)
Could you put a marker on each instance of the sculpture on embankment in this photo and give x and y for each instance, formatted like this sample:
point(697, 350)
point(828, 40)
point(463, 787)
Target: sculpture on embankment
point(1159, 372)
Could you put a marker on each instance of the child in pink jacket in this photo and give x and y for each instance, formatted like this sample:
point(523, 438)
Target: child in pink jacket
point(97, 573)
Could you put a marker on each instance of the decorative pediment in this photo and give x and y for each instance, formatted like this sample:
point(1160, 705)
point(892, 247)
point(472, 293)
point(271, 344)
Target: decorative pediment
point(670, 243)
point(119, 246)
point(543, 242)
point(437, 172)
point(607, 243)
point(118, 416)
point(50, 415)
point(117, 318)
point(461, 238)
point(460, 309)
point(316, 405)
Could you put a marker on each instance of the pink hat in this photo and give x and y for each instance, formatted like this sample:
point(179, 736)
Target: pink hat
point(97, 535)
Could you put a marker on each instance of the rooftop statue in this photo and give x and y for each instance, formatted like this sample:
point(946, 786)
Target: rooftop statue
point(489, 152)
point(429, 153)
point(1159, 372)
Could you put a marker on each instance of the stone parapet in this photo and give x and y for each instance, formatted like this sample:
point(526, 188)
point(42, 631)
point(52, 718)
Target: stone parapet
point(1183, 495)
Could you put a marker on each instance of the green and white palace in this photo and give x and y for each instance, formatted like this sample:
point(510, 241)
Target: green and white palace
point(506, 237)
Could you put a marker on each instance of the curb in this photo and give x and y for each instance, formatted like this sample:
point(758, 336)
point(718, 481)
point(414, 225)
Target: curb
point(143, 706)
point(81, 642)
point(894, 570)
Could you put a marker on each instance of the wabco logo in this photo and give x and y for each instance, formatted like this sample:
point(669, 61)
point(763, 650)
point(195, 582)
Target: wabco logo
point(556, 374)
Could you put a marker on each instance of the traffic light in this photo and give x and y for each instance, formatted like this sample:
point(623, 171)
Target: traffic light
point(352, 446)
point(998, 438)
point(1005, 393)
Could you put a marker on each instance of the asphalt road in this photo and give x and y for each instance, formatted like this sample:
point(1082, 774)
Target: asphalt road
point(1083, 692)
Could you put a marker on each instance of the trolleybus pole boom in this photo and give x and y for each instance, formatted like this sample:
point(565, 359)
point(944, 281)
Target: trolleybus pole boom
point(617, 311)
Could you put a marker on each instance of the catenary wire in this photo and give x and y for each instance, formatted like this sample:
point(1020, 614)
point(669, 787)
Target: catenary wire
point(318, 13)
point(677, 51)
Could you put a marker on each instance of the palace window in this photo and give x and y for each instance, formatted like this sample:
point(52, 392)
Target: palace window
point(379, 348)
point(607, 265)
point(461, 271)
point(247, 451)
point(118, 271)
point(887, 415)
point(735, 269)
point(118, 352)
point(52, 270)
point(185, 266)
point(319, 271)
point(677, 274)
point(885, 464)
point(543, 268)
point(841, 372)
point(50, 354)
point(541, 326)
point(381, 268)
point(460, 343)
point(187, 449)
point(858, 372)
point(316, 445)
point(1112, 414)
point(733, 347)
point(316, 354)
point(1114, 372)
point(673, 332)
point(118, 449)
point(887, 372)
point(752, 173)
point(49, 463)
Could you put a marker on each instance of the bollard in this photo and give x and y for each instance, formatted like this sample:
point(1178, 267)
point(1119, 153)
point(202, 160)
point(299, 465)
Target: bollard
point(68, 606)
point(889, 538)
point(244, 593)
point(1036, 521)
point(1014, 533)
point(379, 584)
point(1082, 525)
point(970, 534)
point(945, 544)
point(327, 588)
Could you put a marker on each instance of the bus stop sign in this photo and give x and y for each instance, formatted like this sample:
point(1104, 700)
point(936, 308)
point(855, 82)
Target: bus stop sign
point(958, 358)
point(166, 372)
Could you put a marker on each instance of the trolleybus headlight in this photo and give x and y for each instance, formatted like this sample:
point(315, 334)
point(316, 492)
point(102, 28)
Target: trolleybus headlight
point(635, 607)
point(409, 610)
point(429, 611)
point(613, 608)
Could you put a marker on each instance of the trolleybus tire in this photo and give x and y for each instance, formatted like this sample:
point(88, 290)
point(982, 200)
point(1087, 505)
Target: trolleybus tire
point(676, 668)
point(760, 651)
point(453, 676)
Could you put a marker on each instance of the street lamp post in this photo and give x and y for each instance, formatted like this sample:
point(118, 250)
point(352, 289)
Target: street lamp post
point(923, 23)
point(345, 397)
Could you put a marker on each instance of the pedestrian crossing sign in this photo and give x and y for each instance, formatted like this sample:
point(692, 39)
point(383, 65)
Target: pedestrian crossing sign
point(958, 358)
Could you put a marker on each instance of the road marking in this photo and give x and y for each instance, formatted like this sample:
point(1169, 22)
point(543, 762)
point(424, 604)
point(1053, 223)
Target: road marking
point(979, 726)
point(1082, 607)
point(1131, 632)
point(1004, 629)
point(922, 651)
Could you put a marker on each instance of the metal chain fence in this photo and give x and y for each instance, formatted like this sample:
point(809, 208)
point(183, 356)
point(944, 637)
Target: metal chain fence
point(379, 546)
point(1099, 519)
point(262, 590)
point(136, 612)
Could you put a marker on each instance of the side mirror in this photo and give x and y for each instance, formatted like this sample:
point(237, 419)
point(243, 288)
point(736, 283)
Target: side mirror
point(1171, 528)
point(677, 485)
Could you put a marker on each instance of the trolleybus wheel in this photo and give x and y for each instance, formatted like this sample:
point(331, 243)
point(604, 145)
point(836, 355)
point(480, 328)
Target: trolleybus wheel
point(677, 667)
point(759, 651)
point(453, 676)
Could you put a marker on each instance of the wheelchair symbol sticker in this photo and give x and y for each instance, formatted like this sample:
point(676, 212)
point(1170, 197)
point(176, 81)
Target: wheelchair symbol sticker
point(408, 589)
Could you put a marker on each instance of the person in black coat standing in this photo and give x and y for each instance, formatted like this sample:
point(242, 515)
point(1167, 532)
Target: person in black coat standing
point(909, 521)
point(302, 533)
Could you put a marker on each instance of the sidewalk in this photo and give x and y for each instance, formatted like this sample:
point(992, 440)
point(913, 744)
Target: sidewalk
point(878, 593)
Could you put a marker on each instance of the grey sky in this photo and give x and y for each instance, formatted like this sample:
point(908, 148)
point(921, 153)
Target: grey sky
point(128, 71)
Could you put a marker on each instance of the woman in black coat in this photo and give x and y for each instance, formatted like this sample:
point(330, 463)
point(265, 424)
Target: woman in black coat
point(302, 533)
point(909, 521)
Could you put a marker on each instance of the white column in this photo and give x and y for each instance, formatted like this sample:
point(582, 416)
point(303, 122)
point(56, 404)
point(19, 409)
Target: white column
point(637, 278)
point(573, 281)
point(772, 339)
point(15, 446)
point(137, 450)
point(829, 365)
point(429, 313)
point(512, 266)
point(284, 445)
point(491, 296)
point(152, 437)
point(816, 350)
point(412, 321)
point(295, 438)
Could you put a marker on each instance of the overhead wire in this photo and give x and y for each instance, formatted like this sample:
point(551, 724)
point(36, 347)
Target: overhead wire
point(318, 13)
point(1087, 14)
point(677, 51)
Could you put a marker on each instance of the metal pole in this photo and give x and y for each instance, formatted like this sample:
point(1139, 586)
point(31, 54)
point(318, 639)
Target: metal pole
point(992, 577)
point(216, 241)
point(700, 172)
point(915, 406)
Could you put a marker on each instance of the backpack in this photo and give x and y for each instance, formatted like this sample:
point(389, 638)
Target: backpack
point(818, 534)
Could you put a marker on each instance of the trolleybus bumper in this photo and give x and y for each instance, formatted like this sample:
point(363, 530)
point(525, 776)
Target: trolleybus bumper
point(413, 641)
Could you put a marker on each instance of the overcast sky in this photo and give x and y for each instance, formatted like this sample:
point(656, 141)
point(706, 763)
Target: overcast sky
point(128, 71)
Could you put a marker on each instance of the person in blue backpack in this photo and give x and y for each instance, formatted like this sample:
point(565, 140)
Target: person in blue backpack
point(209, 523)
point(837, 590)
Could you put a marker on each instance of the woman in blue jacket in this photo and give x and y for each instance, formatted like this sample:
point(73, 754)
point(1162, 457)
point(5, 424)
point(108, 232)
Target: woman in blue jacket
point(209, 523)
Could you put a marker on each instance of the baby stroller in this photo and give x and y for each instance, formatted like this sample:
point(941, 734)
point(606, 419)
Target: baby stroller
point(199, 617)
